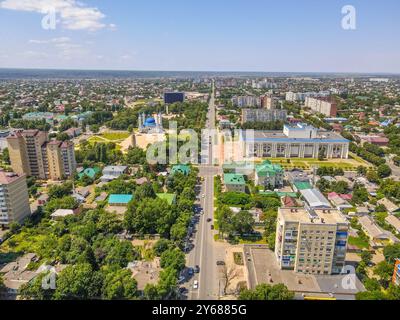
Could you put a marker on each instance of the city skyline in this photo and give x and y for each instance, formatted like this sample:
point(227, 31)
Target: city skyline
point(205, 37)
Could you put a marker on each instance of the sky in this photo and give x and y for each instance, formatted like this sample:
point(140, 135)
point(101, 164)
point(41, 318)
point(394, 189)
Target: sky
point(200, 35)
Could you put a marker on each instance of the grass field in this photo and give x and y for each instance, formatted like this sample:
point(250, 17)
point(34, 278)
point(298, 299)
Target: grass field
point(307, 164)
point(115, 136)
point(358, 242)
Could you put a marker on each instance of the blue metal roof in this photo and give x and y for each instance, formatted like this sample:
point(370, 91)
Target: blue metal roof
point(120, 198)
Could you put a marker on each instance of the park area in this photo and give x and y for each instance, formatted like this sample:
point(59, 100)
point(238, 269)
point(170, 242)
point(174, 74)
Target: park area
point(350, 164)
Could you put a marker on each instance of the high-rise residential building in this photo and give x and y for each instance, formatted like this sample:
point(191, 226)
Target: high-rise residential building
point(246, 101)
point(14, 198)
point(311, 241)
point(269, 102)
point(33, 155)
point(263, 115)
point(322, 105)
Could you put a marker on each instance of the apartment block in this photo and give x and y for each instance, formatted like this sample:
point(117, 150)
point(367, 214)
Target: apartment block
point(322, 105)
point(14, 198)
point(263, 115)
point(269, 102)
point(246, 101)
point(32, 154)
point(311, 241)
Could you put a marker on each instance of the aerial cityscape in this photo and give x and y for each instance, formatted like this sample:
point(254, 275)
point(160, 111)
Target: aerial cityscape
point(232, 177)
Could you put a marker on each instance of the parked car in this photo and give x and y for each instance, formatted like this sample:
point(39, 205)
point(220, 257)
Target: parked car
point(212, 227)
point(195, 284)
point(220, 263)
point(190, 271)
point(209, 220)
point(196, 269)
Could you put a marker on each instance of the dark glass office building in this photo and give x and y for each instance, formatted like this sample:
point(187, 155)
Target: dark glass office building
point(172, 97)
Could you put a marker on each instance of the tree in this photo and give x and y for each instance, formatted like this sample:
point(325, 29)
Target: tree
point(384, 171)
point(243, 222)
point(228, 275)
point(173, 258)
point(162, 245)
point(34, 289)
point(372, 284)
point(144, 191)
point(6, 156)
point(118, 285)
point(366, 256)
point(361, 170)
point(60, 191)
point(373, 176)
point(391, 253)
point(150, 216)
point(267, 292)
point(384, 271)
point(371, 295)
point(78, 282)
point(224, 216)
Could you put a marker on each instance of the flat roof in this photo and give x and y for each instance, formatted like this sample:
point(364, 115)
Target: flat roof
point(279, 136)
point(120, 198)
point(302, 215)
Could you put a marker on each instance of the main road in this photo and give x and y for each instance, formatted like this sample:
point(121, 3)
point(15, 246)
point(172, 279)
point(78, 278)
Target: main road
point(205, 253)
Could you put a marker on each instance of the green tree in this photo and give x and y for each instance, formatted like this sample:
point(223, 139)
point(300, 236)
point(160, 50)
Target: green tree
point(119, 285)
point(78, 282)
point(384, 171)
point(34, 289)
point(391, 253)
point(384, 271)
point(267, 292)
point(173, 258)
point(243, 222)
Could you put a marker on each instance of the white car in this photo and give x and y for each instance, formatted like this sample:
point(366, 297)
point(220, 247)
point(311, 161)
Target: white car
point(203, 196)
point(195, 284)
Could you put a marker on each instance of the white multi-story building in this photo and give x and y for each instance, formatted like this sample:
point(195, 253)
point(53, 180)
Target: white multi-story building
point(311, 241)
point(14, 198)
point(246, 101)
point(322, 105)
point(298, 141)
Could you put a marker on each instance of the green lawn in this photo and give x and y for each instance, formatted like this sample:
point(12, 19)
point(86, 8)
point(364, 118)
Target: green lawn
point(358, 242)
point(115, 136)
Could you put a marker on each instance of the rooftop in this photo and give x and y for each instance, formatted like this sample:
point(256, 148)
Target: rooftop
point(319, 216)
point(315, 198)
point(279, 136)
point(268, 169)
point(233, 178)
point(120, 198)
point(8, 177)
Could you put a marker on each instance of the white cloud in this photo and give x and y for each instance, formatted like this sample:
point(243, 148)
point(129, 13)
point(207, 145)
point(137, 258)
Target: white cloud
point(74, 15)
point(54, 40)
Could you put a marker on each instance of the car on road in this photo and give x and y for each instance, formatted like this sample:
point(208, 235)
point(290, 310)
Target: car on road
point(212, 227)
point(195, 284)
point(220, 263)
point(203, 196)
point(181, 279)
point(209, 220)
point(196, 269)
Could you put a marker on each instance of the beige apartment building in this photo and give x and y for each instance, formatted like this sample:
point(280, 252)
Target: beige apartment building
point(32, 154)
point(322, 105)
point(311, 241)
point(14, 198)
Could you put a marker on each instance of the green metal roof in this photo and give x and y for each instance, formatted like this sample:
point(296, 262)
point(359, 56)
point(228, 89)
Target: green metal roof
point(169, 197)
point(90, 172)
point(303, 185)
point(268, 169)
point(182, 168)
point(233, 178)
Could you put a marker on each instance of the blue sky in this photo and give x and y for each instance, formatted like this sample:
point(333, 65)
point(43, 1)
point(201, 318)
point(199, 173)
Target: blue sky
point(204, 35)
